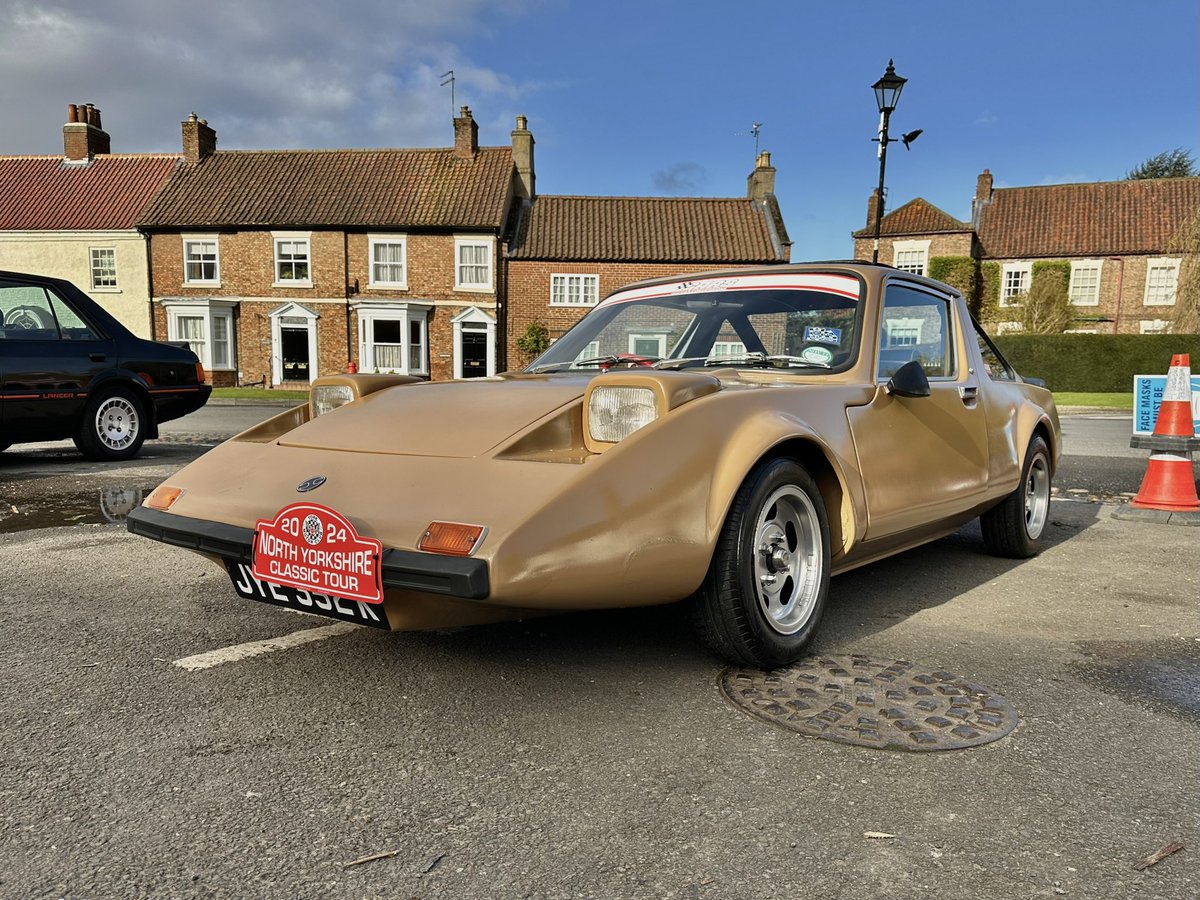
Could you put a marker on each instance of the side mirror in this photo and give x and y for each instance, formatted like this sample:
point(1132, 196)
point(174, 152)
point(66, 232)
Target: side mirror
point(909, 380)
point(1036, 382)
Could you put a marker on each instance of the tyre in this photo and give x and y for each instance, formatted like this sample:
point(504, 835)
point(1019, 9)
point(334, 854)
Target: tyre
point(765, 590)
point(113, 426)
point(1014, 527)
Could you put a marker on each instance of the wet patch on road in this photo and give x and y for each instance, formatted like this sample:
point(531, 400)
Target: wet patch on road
point(1163, 675)
point(880, 703)
point(99, 506)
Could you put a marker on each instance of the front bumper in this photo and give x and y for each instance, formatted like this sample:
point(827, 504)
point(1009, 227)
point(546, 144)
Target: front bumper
point(408, 570)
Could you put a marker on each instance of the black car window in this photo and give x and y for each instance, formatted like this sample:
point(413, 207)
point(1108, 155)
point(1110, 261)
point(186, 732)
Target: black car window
point(70, 325)
point(914, 325)
point(27, 313)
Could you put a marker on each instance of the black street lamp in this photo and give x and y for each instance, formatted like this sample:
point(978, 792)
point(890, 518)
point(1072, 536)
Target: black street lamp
point(887, 95)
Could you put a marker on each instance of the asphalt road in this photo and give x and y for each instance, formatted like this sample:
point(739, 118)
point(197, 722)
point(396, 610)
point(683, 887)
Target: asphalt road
point(588, 755)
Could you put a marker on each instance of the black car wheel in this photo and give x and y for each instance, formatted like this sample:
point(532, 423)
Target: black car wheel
point(113, 426)
point(1014, 527)
point(765, 591)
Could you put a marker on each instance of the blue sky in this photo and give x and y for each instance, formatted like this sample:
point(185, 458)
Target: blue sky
point(637, 98)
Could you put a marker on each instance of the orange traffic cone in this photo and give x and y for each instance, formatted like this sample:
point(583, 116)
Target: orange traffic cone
point(1169, 483)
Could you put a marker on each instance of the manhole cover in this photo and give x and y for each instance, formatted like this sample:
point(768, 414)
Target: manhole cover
point(882, 703)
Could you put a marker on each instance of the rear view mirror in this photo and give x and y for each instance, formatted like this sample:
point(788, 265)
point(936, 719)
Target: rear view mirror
point(909, 380)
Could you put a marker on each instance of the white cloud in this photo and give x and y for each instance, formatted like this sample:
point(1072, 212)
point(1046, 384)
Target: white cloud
point(270, 74)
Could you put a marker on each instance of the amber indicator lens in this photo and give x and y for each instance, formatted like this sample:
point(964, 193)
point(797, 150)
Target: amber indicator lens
point(163, 497)
point(200, 376)
point(450, 538)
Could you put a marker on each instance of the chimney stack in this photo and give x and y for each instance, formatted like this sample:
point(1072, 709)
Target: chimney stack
point(761, 181)
point(466, 135)
point(872, 208)
point(522, 151)
point(199, 141)
point(83, 138)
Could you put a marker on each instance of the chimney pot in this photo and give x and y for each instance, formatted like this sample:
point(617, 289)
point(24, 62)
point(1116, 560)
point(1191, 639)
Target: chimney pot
point(522, 123)
point(199, 140)
point(72, 113)
point(466, 135)
point(83, 137)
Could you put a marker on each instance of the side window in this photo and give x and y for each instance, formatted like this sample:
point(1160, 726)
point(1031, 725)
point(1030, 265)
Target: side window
point(915, 325)
point(71, 326)
point(27, 313)
point(995, 365)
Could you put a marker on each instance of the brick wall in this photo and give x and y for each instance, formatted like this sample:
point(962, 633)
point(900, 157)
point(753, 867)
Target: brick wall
point(939, 245)
point(529, 292)
point(337, 260)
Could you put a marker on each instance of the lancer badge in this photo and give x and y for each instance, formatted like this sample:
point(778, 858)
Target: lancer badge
point(310, 484)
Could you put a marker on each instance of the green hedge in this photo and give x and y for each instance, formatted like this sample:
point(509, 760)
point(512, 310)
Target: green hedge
point(989, 291)
point(1095, 362)
point(961, 273)
point(1044, 266)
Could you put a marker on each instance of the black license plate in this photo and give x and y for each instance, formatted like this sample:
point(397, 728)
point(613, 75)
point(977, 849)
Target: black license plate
point(355, 611)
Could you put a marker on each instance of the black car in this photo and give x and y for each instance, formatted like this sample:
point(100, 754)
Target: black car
point(68, 369)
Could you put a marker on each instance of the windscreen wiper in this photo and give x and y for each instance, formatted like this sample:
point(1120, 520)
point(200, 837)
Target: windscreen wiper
point(762, 360)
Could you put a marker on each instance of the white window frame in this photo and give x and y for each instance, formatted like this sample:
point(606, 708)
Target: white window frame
point(473, 318)
point(727, 348)
point(1080, 265)
point(1161, 262)
point(281, 237)
point(920, 247)
point(208, 310)
point(661, 339)
point(213, 239)
point(113, 288)
point(560, 288)
point(406, 314)
point(1154, 326)
point(1023, 269)
point(375, 240)
point(277, 326)
point(897, 329)
point(461, 242)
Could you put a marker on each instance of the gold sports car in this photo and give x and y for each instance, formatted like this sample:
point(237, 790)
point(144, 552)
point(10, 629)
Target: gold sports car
point(732, 439)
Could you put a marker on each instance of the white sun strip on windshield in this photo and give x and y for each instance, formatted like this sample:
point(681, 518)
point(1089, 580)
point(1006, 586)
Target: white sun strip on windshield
point(842, 285)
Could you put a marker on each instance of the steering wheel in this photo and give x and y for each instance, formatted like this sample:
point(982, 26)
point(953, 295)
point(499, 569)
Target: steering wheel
point(27, 318)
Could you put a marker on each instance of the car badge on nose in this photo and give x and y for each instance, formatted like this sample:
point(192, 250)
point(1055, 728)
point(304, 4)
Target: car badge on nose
point(310, 484)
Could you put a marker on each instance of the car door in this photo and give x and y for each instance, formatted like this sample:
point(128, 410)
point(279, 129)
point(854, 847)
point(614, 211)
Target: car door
point(49, 355)
point(922, 459)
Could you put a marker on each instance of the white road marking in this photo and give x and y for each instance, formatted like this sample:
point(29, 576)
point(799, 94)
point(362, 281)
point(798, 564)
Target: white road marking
point(238, 652)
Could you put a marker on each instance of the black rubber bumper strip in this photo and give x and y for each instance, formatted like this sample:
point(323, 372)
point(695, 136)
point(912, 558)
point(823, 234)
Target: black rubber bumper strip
point(410, 570)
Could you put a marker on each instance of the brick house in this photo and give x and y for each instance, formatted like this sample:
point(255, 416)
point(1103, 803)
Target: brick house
point(1115, 237)
point(278, 266)
point(74, 216)
point(566, 252)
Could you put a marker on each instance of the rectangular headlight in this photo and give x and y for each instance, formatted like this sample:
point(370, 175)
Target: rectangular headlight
point(614, 413)
point(328, 397)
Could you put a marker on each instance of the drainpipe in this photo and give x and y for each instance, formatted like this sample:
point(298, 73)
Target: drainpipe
point(149, 283)
point(346, 283)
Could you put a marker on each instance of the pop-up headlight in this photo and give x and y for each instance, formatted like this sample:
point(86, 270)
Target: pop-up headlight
point(614, 413)
point(618, 404)
point(328, 397)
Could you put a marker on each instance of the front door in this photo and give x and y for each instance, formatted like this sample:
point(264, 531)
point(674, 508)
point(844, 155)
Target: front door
point(923, 459)
point(474, 354)
point(294, 351)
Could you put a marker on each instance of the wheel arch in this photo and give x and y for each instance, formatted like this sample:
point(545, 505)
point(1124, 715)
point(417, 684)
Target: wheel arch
point(117, 379)
point(811, 452)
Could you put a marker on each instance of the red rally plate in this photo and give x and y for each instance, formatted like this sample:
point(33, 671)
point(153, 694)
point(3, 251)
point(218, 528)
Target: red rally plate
point(313, 548)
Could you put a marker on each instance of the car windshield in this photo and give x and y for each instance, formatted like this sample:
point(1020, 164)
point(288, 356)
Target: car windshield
point(806, 322)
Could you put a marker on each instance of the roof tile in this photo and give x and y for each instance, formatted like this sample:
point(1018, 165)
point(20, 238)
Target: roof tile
point(340, 188)
point(917, 216)
point(644, 229)
point(43, 193)
point(1096, 219)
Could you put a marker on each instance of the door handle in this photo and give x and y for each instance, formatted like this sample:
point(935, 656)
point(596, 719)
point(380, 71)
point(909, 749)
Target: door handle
point(97, 357)
point(969, 393)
